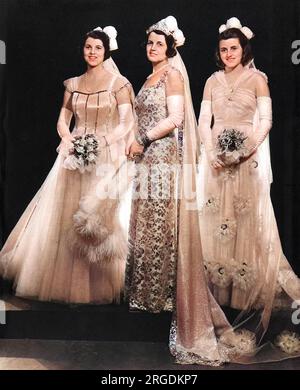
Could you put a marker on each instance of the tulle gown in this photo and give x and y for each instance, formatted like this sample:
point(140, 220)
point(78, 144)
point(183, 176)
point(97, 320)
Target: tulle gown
point(69, 245)
point(245, 266)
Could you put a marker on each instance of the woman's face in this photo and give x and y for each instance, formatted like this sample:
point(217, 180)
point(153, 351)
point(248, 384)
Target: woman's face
point(156, 47)
point(93, 51)
point(231, 52)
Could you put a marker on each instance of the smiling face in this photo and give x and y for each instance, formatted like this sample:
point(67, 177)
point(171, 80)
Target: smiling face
point(156, 48)
point(231, 52)
point(93, 52)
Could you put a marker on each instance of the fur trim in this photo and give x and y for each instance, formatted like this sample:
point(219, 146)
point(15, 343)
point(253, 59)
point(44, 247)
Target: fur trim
point(113, 248)
point(90, 227)
point(97, 235)
point(96, 219)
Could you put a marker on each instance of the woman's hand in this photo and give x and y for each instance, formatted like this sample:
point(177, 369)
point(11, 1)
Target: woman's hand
point(135, 149)
point(67, 143)
point(102, 142)
point(214, 161)
point(249, 148)
point(230, 158)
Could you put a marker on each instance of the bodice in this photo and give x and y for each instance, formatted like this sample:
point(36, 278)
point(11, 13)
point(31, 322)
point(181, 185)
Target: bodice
point(151, 105)
point(233, 105)
point(95, 112)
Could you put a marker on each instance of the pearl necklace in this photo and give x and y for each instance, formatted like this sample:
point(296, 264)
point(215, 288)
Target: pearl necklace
point(158, 70)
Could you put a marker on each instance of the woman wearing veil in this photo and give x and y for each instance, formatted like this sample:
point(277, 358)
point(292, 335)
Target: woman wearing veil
point(164, 267)
point(69, 245)
point(200, 332)
point(152, 258)
point(245, 266)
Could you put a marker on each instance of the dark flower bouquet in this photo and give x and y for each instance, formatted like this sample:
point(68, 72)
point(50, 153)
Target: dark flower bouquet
point(230, 146)
point(84, 154)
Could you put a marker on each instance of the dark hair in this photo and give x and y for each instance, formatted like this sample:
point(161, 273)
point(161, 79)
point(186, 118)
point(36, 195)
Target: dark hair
point(170, 41)
point(244, 42)
point(97, 34)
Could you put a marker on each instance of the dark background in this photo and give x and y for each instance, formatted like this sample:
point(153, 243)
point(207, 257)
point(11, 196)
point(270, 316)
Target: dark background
point(43, 48)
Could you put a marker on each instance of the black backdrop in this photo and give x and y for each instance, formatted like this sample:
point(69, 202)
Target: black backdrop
point(43, 39)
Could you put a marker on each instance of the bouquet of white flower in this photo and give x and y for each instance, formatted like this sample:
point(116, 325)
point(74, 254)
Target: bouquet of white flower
point(84, 154)
point(230, 146)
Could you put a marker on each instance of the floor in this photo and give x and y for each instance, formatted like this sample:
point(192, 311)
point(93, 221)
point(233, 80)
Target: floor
point(81, 355)
point(51, 354)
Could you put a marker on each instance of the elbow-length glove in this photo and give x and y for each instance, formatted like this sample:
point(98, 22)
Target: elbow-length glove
point(264, 107)
point(204, 129)
point(175, 105)
point(124, 130)
point(126, 121)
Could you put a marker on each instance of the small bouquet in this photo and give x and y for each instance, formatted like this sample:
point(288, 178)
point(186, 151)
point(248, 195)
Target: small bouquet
point(84, 154)
point(230, 146)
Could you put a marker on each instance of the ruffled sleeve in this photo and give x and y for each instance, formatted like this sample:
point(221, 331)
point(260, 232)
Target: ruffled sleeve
point(262, 74)
point(70, 84)
point(119, 83)
point(122, 90)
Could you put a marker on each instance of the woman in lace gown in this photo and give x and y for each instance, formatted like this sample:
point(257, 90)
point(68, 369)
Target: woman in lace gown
point(165, 266)
point(69, 245)
point(151, 262)
point(246, 268)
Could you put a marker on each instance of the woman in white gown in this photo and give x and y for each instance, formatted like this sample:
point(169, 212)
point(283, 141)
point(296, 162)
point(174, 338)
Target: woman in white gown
point(245, 266)
point(69, 245)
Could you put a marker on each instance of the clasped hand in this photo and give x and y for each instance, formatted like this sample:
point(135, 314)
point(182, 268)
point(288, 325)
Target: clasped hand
point(134, 150)
point(221, 160)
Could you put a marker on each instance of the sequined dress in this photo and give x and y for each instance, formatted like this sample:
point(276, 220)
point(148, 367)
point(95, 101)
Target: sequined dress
point(151, 263)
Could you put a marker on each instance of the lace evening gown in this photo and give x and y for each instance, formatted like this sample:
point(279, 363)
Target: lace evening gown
point(151, 263)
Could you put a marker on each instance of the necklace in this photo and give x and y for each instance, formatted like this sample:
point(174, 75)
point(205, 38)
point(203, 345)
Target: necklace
point(158, 70)
point(233, 76)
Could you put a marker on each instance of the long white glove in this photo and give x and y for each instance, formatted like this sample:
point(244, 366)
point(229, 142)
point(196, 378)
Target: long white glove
point(205, 129)
point(64, 119)
point(264, 106)
point(63, 125)
point(126, 122)
point(175, 105)
point(206, 136)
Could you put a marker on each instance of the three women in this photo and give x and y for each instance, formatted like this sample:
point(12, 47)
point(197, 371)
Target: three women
point(234, 241)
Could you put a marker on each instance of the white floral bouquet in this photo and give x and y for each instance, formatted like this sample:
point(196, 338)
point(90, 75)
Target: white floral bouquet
point(83, 156)
point(230, 146)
